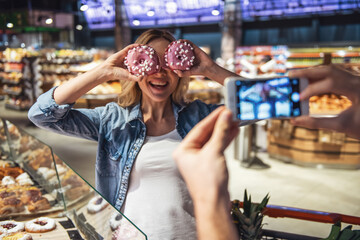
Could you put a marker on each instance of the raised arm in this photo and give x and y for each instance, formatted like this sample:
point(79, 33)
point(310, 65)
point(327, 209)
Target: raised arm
point(53, 109)
point(112, 68)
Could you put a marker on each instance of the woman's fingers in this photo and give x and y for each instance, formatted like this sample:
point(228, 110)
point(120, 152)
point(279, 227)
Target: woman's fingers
point(123, 74)
point(118, 57)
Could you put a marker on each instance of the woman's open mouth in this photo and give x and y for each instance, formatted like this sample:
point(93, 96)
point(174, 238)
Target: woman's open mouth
point(158, 84)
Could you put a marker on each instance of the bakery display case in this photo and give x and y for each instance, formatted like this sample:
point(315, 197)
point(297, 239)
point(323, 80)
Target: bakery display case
point(42, 197)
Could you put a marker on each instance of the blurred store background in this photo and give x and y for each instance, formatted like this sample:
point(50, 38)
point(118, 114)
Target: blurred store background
point(44, 43)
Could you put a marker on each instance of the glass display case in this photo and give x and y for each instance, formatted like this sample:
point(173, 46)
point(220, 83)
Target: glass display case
point(42, 197)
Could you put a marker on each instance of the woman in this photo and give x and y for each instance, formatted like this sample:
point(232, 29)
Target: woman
point(146, 125)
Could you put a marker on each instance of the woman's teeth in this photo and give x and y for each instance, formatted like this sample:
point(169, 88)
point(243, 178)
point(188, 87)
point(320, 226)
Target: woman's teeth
point(158, 83)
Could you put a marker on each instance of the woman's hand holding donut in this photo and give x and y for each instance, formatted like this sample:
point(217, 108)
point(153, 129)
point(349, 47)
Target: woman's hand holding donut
point(202, 63)
point(114, 67)
point(205, 66)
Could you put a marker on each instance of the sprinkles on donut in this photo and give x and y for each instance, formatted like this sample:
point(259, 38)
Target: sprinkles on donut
point(179, 55)
point(142, 60)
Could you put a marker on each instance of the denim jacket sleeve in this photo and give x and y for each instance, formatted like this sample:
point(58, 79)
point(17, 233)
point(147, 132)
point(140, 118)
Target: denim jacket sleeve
point(46, 113)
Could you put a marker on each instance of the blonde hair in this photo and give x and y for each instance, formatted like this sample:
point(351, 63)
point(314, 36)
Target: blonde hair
point(131, 92)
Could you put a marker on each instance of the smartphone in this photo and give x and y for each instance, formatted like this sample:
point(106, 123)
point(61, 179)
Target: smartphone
point(255, 99)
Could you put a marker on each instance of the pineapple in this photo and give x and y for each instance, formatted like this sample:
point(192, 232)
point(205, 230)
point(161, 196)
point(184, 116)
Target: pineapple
point(249, 222)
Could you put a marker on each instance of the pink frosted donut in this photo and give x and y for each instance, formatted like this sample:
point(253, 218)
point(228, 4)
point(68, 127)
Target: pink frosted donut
point(180, 55)
point(142, 60)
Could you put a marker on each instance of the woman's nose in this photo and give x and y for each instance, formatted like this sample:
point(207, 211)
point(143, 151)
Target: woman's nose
point(162, 63)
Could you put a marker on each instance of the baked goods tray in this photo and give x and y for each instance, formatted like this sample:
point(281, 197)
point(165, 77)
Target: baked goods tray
point(19, 206)
point(56, 189)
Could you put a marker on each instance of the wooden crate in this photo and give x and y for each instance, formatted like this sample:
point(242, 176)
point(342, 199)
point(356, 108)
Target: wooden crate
point(313, 147)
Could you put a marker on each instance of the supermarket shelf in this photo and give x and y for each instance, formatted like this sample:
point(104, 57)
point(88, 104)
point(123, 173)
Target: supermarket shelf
point(15, 107)
point(349, 54)
point(8, 81)
point(306, 55)
point(12, 92)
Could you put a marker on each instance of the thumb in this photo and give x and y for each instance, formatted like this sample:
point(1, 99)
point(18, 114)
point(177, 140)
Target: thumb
point(224, 132)
point(123, 74)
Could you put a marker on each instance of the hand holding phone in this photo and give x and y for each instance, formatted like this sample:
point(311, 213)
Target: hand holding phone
point(256, 99)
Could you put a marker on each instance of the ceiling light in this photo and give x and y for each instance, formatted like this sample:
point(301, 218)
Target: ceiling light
point(150, 13)
point(79, 27)
point(136, 22)
point(10, 25)
point(341, 53)
point(49, 21)
point(84, 7)
point(215, 12)
point(171, 7)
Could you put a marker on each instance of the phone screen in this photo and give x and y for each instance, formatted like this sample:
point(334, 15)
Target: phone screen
point(268, 98)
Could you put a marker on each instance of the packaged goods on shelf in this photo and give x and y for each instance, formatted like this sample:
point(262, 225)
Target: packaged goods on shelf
point(260, 61)
point(17, 78)
point(308, 57)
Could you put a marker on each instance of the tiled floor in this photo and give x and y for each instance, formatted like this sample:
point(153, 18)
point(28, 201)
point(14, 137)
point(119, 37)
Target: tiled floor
point(327, 190)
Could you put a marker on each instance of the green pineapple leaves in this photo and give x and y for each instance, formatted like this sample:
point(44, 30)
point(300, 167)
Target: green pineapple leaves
point(249, 222)
point(346, 234)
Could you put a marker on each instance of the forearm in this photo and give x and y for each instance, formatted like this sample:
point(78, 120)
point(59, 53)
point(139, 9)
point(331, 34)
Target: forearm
point(213, 220)
point(72, 90)
point(219, 74)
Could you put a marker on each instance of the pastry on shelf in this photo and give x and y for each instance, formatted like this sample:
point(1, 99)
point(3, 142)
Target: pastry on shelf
point(74, 186)
point(41, 157)
point(24, 180)
point(11, 171)
point(13, 131)
point(10, 205)
point(328, 104)
point(28, 143)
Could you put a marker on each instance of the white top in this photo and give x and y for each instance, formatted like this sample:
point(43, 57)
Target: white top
point(158, 201)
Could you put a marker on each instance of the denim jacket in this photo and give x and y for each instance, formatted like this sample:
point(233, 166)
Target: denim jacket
point(120, 133)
